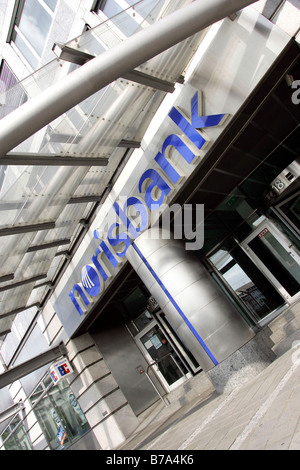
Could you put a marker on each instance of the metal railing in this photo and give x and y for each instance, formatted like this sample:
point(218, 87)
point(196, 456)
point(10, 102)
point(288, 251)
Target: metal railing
point(165, 400)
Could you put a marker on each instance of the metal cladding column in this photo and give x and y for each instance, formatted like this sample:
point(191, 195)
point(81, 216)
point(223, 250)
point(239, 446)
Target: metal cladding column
point(195, 307)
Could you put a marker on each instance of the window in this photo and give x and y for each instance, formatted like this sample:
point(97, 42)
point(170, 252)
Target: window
point(15, 97)
point(31, 28)
point(15, 437)
point(246, 281)
point(58, 413)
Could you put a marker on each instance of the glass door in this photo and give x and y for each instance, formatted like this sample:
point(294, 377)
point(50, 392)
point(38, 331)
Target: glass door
point(277, 257)
point(244, 283)
point(161, 356)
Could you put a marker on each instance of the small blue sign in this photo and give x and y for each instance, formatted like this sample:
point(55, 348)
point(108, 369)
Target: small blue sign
point(61, 435)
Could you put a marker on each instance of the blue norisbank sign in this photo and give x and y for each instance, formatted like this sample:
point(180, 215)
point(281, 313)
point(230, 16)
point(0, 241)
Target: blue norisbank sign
point(154, 187)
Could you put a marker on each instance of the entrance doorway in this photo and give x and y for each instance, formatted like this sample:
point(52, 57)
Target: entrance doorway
point(261, 274)
point(162, 357)
point(277, 258)
point(245, 284)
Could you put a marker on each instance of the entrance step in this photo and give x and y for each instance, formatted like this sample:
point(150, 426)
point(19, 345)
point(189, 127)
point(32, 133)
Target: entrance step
point(285, 329)
point(194, 387)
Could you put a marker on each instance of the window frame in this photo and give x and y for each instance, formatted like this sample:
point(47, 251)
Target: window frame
point(12, 430)
point(47, 385)
point(15, 30)
point(98, 5)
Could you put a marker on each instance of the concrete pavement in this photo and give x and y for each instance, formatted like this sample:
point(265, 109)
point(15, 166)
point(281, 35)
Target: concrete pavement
point(261, 414)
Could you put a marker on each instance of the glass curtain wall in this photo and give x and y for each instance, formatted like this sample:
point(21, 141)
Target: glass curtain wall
point(15, 437)
point(32, 26)
point(59, 414)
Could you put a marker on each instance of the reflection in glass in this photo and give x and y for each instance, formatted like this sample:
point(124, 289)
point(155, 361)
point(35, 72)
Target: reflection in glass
point(60, 416)
point(277, 260)
point(290, 210)
point(32, 28)
point(161, 351)
point(51, 4)
point(15, 436)
point(35, 24)
point(143, 320)
point(25, 50)
point(251, 288)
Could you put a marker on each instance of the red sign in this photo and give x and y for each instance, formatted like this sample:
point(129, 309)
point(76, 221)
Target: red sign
point(263, 232)
point(60, 370)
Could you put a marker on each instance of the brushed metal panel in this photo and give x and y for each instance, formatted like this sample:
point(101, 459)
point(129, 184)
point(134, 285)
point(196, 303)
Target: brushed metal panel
point(212, 319)
point(194, 346)
point(150, 241)
point(197, 295)
point(164, 259)
point(133, 258)
point(122, 356)
point(179, 277)
point(173, 316)
point(160, 296)
point(146, 276)
point(228, 339)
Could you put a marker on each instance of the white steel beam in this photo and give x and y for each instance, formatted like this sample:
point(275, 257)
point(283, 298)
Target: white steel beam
point(16, 373)
point(36, 159)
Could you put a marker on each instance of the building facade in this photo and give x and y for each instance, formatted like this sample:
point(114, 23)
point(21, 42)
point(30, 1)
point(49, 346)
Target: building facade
point(160, 247)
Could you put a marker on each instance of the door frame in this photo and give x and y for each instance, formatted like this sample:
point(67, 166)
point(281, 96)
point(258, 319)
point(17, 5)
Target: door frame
point(285, 243)
point(150, 361)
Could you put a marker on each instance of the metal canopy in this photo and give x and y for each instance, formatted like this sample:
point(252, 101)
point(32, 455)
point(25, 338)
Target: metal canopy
point(75, 56)
point(50, 160)
point(54, 179)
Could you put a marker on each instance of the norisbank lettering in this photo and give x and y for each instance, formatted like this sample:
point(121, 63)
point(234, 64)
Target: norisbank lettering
point(133, 214)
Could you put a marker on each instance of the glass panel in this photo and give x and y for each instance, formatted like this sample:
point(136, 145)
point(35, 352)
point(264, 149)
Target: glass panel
point(14, 97)
point(250, 286)
point(14, 422)
point(111, 8)
point(70, 412)
point(11, 444)
point(17, 440)
point(61, 417)
point(291, 210)
point(250, 295)
point(160, 350)
point(5, 434)
point(193, 360)
point(51, 4)
point(22, 439)
point(46, 417)
point(26, 52)
point(283, 266)
point(127, 24)
point(282, 255)
point(135, 303)
point(143, 320)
